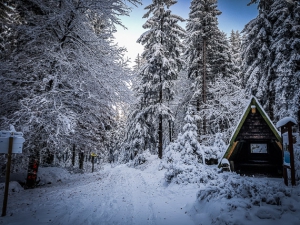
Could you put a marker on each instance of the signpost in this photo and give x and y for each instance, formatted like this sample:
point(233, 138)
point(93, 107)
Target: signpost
point(93, 160)
point(287, 148)
point(10, 142)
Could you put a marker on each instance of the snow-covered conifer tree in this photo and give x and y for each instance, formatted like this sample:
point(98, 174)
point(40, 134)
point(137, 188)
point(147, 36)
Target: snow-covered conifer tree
point(202, 36)
point(202, 29)
point(257, 56)
point(221, 59)
point(285, 51)
point(235, 50)
point(271, 57)
point(184, 158)
point(162, 44)
point(209, 60)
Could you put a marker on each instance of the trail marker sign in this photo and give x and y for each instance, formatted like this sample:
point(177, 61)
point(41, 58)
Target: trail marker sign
point(18, 141)
point(10, 142)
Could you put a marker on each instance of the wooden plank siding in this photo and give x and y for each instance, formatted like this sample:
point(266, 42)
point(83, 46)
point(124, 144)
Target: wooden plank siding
point(256, 128)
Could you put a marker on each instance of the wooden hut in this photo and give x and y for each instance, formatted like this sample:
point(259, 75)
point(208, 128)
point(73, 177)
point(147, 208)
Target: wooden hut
point(255, 146)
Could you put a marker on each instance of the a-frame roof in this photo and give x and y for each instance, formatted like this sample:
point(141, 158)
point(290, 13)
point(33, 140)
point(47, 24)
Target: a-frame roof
point(252, 102)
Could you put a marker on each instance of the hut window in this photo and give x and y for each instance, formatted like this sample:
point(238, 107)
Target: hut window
point(258, 148)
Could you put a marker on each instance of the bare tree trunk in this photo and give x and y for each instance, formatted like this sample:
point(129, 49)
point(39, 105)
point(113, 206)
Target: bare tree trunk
point(73, 155)
point(204, 83)
point(81, 160)
point(138, 62)
point(170, 130)
point(160, 137)
point(160, 125)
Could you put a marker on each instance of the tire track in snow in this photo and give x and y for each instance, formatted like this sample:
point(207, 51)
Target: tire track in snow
point(143, 212)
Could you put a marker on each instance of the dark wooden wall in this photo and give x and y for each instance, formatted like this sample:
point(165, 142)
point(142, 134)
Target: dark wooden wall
point(255, 127)
point(256, 130)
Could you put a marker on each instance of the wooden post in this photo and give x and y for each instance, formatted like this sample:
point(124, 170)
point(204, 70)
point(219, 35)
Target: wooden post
point(170, 130)
point(7, 176)
point(160, 137)
point(204, 84)
point(81, 159)
point(73, 155)
point(291, 150)
point(93, 157)
point(285, 176)
point(284, 169)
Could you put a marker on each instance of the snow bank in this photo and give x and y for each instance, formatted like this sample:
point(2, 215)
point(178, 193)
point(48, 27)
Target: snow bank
point(14, 186)
point(234, 199)
point(254, 190)
point(50, 175)
point(141, 160)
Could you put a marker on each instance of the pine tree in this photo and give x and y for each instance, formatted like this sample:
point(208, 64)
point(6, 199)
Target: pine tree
point(285, 58)
point(184, 157)
point(235, 50)
point(257, 56)
point(271, 57)
point(220, 58)
point(208, 56)
point(202, 35)
point(139, 62)
point(162, 63)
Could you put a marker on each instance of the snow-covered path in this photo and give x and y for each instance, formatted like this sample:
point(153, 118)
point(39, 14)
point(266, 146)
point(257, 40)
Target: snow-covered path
point(119, 195)
point(128, 196)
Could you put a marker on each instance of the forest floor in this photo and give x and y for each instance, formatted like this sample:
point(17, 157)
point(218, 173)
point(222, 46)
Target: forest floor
point(128, 196)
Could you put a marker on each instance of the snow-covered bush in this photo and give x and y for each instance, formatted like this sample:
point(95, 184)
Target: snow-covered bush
point(189, 173)
point(140, 159)
point(184, 158)
point(213, 153)
point(256, 191)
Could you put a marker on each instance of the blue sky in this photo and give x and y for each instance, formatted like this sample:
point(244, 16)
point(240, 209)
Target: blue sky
point(235, 15)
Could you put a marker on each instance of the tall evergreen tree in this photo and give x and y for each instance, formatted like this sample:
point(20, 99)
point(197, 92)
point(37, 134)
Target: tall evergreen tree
point(208, 57)
point(271, 57)
point(257, 56)
point(202, 29)
point(235, 41)
point(285, 51)
point(162, 63)
point(138, 63)
point(184, 157)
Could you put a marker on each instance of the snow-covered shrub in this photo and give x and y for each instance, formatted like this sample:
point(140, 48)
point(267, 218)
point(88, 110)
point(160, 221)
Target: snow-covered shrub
point(235, 186)
point(194, 172)
point(184, 158)
point(213, 153)
point(140, 159)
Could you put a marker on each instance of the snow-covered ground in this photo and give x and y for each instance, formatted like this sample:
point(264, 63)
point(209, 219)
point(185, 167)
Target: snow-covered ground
point(124, 195)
